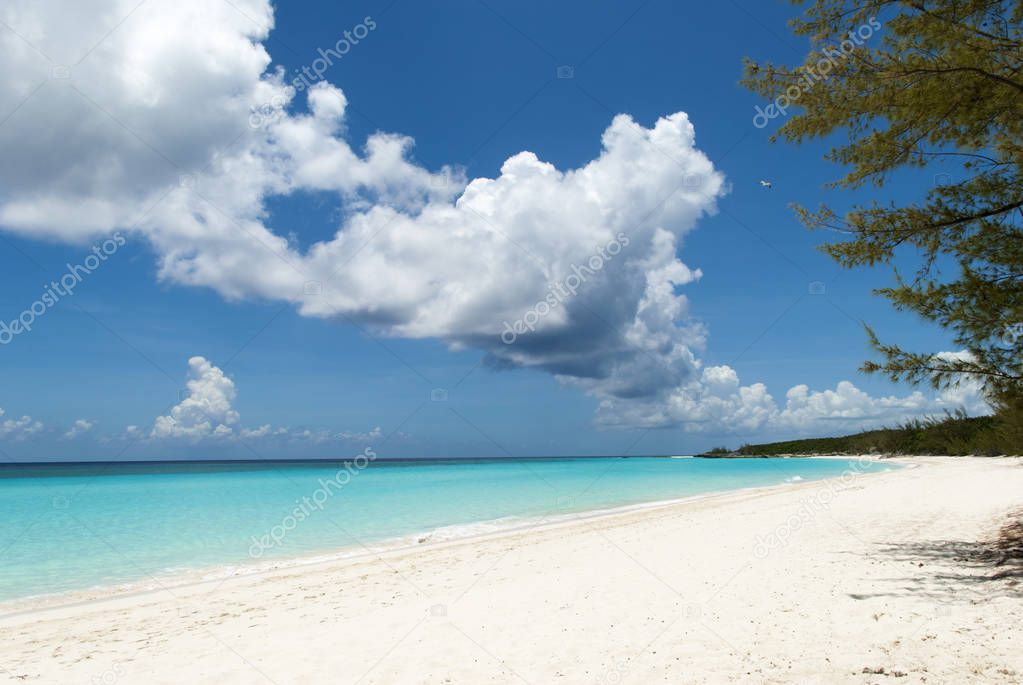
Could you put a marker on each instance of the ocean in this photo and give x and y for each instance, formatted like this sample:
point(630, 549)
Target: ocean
point(76, 526)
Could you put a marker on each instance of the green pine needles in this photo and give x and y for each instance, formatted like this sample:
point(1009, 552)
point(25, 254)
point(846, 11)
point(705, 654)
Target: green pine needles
point(938, 87)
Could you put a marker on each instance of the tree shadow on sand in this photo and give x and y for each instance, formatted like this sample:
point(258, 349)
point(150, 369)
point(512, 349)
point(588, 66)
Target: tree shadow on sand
point(963, 570)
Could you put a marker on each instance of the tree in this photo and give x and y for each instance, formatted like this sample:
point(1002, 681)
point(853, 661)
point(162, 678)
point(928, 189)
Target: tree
point(912, 85)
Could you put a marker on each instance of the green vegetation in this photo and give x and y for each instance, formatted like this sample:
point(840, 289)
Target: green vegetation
point(955, 434)
point(939, 87)
point(903, 86)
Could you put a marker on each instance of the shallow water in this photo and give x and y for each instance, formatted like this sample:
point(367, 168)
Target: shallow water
point(69, 527)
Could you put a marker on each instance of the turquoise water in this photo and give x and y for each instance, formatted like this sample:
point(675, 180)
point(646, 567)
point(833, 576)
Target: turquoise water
point(68, 527)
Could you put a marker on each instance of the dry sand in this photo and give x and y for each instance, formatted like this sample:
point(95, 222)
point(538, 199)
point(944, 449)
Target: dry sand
point(806, 583)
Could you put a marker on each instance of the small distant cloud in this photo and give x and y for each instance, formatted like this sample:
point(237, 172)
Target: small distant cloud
point(374, 434)
point(19, 429)
point(207, 413)
point(78, 428)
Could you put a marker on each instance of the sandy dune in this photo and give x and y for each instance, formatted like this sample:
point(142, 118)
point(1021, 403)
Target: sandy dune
point(825, 582)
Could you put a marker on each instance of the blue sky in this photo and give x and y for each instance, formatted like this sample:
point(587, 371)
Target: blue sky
point(473, 83)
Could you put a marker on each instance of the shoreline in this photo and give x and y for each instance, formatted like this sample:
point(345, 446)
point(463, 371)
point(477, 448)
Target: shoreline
point(219, 573)
point(866, 575)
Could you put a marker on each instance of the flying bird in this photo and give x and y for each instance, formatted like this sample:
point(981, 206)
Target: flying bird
point(766, 184)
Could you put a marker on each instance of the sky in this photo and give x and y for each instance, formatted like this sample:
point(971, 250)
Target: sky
point(231, 229)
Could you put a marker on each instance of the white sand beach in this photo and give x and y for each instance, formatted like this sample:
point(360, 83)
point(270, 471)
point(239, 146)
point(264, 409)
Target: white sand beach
point(845, 581)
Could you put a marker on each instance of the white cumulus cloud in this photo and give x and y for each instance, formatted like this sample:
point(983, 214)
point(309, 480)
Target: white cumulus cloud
point(147, 128)
point(206, 410)
point(207, 413)
point(718, 402)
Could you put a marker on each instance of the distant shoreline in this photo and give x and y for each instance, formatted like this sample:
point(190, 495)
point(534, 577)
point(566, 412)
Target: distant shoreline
point(321, 460)
point(954, 435)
